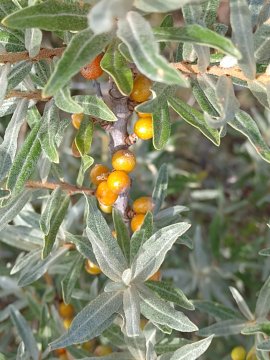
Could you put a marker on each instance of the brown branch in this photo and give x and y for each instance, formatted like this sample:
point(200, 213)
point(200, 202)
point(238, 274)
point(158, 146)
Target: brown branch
point(70, 189)
point(234, 71)
point(13, 57)
point(35, 95)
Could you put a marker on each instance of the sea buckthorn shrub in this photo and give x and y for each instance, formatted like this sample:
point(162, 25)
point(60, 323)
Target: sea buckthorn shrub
point(134, 179)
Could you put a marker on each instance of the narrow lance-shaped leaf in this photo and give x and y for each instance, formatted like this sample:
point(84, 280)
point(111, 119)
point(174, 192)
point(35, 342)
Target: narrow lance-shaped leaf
point(145, 265)
point(216, 310)
point(114, 63)
point(49, 15)
point(91, 321)
point(64, 101)
point(4, 71)
point(195, 118)
point(262, 41)
point(140, 236)
point(160, 5)
point(82, 245)
point(17, 74)
point(160, 189)
point(122, 234)
point(158, 311)
point(84, 137)
point(224, 328)
point(262, 305)
point(25, 332)
point(243, 307)
point(81, 50)
point(9, 146)
point(242, 35)
point(33, 38)
point(131, 307)
point(161, 126)
point(145, 51)
point(70, 279)
point(196, 34)
point(192, 351)
point(94, 106)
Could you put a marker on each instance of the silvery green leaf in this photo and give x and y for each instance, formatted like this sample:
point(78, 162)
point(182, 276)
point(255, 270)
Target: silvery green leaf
point(122, 233)
point(69, 281)
point(81, 50)
point(103, 14)
point(161, 126)
point(192, 351)
point(263, 303)
point(18, 304)
point(242, 305)
point(166, 22)
point(11, 40)
point(145, 51)
point(64, 101)
point(264, 14)
point(13, 207)
point(255, 7)
point(242, 35)
point(91, 321)
point(170, 293)
point(4, 193)
point(83, 245)
point(33, 38)
point(264, 346)
point(4, 71)
point(203, 54)
point(114, 335)
point(210, 10)
point(224, 328)
point(159, 311)
point(244, 123)
point(140, 236)
point(8, 106)
point(17, 74)
point(131, 307)
point(265, 252)
point(160, 190)
point(185, 240)
point(48, 129)
point(259, 90)
point(170, 212)
point(21, 237)
point(42, 72)
point(160, 5)
point(25, 332)
point(38, 269)
point(94, 106)
point(84, 137)
point(144, 264)
point(136, 346)
point(23, 260)
point(9, 146)
point(216, 310)
point(52, 203)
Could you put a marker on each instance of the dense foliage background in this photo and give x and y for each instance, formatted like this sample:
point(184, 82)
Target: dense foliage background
point(208, 166)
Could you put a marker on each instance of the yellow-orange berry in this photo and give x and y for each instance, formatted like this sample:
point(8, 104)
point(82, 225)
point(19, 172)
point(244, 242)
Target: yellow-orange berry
point(89, 345)
point(114, 233)
point(76, 120)
point(105, 209)
point(67, 322)
point(99, 173)
point(124, 160)
point(142, 205)
point(74, 149)
point(92, 268)
point(66, 310)
point(104, 195)
point(143, 115)
point(136, 222)
point(156, 276)
point(118, 181)
point(141, 89)
point(238, 353)
point(102, 350)
point(143, 128)
point(60, 352)
point(93, 70)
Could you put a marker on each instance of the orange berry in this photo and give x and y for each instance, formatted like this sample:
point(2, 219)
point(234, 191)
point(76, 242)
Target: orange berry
point(92, 268)
point(141, 89)
point(103, 350)
point(74, 149)
point(142, 205)
point(136, 222)
point(77, 119)
point(93, 70)
point(67, 322)
point(60, 352)
point(89, 345)
point(114, 233)
point(99, 173)
point(143, 128)
point(143, 115)
point(124, 160)
point(66, 310)
point(104, 195)
point(105, 209)
point(156, 276)
point(118, 181)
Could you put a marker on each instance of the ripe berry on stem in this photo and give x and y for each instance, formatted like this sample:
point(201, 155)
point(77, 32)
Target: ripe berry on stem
point(143, 128)
point(156, 276)
point(66, 310)
point(124, 160)
point(92, 268)
point(76, 120)
point(118, 181)
point(142, 205)
point(104, 194)
point(99, 173)
point(93, 70)
point(137, 221)
point(141, 89)
point(238, 353)
point(105, 209)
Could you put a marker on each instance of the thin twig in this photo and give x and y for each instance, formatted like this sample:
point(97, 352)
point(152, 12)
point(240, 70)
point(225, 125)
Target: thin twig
point(35, 95)
point(13, 57)
point(70, 189)
point(234, 71)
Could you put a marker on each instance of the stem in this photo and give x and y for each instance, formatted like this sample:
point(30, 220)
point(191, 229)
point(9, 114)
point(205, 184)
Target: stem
point(70, 189)
point(234, 71)
point(13, 57)
point(35, 95)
